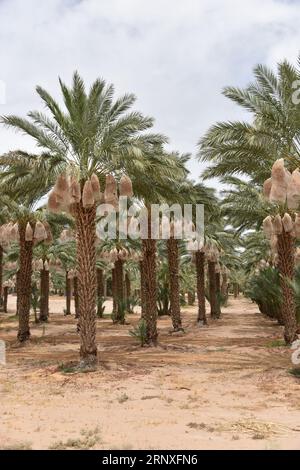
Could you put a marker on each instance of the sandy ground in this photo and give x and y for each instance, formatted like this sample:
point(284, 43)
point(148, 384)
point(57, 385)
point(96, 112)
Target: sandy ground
point(221, 387)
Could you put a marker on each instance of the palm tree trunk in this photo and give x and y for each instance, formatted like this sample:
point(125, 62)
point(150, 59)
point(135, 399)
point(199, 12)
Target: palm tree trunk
point(120, 312)
point(235, 290)
point(114, 291)
point(17, 291)
point(212, 289)
point(128, 290)
point(224, 287)
point(218, 294)
point(200, 259)
point(100, 291)
point(44, 293)
point(149, 263)
point(76, 299)
point(172, 246)
point(191, 297)
point(86, 262)
point(5, 298)
point(286, 265)
point(143, 293)
point(1, 276)
point(24, 285)
point(68, 294)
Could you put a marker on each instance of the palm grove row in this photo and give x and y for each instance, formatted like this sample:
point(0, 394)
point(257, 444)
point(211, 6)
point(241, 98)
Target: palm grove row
point(95, 148)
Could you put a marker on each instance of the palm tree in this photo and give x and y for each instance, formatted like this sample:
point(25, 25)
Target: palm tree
point(1, 274)
point(24, 227)
point(173, 261)
point(200, 270)
point(48, 251)
point(250, 149)
point(246, 209)
point(206, 196)
point(242, 148)
point(65, 253)
point(118, 252)
point(155, 180)
point(93, 135)
point(101, 280)
point(4, 217)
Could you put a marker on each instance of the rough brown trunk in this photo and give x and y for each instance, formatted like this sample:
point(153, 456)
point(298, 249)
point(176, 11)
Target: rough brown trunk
point(17, 291)
point(120, 313)
point(149, 264)
point(100, 291)
point(44, 294)
point(76, 298)
point(68, 294)
point(224, 287)
point(105, 287)
point(286, 266)
point(218, 294)
point(24, 285)
point(212, 289)
point(128, 291)
point(235, 291)
point(5, 298)
point(200, 260)
point(143, 294)
point(173, 264)
point(191, 297)
point(86, 262)
point(1, 276)
point(114, 290)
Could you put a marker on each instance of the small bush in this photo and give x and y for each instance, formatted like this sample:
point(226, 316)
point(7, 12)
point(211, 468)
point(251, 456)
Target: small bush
point(276, 343)
point(295, 372)
point(124, 397)
point(140, 332)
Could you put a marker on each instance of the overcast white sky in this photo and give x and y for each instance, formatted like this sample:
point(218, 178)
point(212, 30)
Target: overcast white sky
point(175, 55)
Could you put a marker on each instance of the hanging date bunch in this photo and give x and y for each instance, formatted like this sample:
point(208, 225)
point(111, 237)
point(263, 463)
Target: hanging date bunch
point(283, 187)
point(273, 226)
point(212, 253)
point(40, 264)
point(122, 254)
point(68, 192)
point(9, 233)
point(282, 228)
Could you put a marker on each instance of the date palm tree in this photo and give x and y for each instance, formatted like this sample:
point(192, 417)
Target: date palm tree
point(246, 208)
point(3, 219)
point(156, 179)
point(47, 252)
point(203, 195)
point(243, 148)
point(92, 134)
point(23, 218)
point(250, 149)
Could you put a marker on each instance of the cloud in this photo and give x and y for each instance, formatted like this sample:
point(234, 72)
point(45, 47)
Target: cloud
point(175, 56)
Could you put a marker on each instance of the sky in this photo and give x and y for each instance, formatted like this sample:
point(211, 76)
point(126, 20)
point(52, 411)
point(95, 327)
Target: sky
point(174, 55)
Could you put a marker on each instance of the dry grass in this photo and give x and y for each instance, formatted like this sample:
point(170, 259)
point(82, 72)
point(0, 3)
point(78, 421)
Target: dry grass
point(256, 429)
point(122, 398)
point(18, 446)
point(88, 439)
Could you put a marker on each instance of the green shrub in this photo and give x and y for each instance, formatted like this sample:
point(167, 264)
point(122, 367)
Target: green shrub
point(140, 332)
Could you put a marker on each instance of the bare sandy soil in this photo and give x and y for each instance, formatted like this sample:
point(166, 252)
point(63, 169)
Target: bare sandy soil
point(222, 387)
